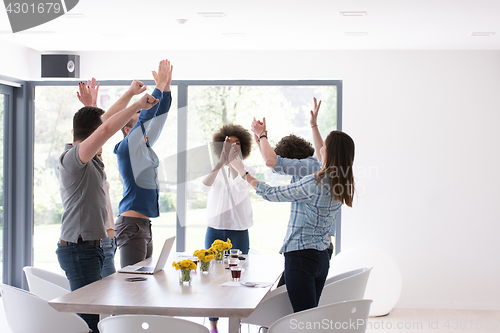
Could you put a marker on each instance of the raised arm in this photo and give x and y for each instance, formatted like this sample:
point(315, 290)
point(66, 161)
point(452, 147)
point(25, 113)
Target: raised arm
point(210, 178)
point(318, 140)
point(136, 88)
point(90, 146)
point(156, 118)
point(237, 164)
point(267, 152)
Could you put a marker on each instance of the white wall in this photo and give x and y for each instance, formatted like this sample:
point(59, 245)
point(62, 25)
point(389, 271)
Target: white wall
point(425, 124)
point(18, 62)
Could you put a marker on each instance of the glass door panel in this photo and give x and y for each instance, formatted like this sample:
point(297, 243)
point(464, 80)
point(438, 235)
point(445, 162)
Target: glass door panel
point(286, 109)
point(54, 110)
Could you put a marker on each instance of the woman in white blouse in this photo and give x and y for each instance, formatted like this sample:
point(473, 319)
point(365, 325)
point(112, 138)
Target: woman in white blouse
point(229, 212)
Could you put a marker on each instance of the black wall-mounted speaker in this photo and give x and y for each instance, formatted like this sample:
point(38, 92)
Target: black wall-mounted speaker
point(61, 65)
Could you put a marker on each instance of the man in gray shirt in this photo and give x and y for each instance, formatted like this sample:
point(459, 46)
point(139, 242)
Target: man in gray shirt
point(83, 193)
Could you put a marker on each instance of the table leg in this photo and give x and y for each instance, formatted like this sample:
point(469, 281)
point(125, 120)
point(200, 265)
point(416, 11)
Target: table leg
point(234, 325)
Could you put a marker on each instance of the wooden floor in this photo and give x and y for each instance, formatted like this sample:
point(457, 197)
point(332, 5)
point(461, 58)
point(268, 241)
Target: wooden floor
point(399, 320)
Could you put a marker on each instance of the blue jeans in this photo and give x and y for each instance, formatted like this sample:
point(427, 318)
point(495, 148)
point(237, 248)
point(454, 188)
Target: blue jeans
point(305, 275)
point(109, 250)
point(83, 265)
point(239, 239)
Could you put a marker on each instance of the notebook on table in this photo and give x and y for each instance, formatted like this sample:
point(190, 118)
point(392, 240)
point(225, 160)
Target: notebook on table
point(160, 264)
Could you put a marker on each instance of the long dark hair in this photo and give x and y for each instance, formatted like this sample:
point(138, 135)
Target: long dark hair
point(338, 166)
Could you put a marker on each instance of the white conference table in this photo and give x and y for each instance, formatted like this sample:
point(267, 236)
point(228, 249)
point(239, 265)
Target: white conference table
point(161, 293)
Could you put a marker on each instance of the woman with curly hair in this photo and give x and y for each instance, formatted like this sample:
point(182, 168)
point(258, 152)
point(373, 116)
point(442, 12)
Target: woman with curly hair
point(229, 212)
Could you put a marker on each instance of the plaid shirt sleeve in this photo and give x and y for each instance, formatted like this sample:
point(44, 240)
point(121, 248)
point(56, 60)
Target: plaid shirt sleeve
point(301, 191)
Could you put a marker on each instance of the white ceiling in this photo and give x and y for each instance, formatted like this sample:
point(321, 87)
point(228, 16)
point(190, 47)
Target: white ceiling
point(266, 25)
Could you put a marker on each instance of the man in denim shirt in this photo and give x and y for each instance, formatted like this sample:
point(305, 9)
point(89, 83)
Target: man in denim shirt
point(138, 166)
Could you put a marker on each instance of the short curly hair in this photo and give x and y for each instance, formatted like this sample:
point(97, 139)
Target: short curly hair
point(233, 130)
point(295, 147)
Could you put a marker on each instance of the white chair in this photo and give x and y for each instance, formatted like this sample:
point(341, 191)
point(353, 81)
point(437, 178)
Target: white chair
point(41, 287)
point(343, 287)
point(28, 313)
point(274, 306)
point(55, 278)
point(348, 317)
point(148, 324)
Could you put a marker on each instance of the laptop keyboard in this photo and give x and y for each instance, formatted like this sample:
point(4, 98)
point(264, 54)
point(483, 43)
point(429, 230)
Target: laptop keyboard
point(145, 269)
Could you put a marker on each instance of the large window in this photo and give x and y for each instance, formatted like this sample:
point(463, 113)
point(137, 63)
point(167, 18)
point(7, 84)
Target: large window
point(285, 105)
point(286, 109)
point(54, 110)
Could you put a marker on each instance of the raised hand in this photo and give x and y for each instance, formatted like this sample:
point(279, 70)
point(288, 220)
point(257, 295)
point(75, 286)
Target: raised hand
point(162, 75)
point(147, 101)
point(259, 127)
point(224, 154)
point(84, 95)
point(169, 78)
point(314, 113)
point(235, 159)
point(94, 90)
point(88, 93)
point(137, 87)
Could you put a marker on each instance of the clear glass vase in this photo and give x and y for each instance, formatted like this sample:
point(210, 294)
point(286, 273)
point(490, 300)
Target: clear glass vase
point(185, 276)
point(219, 256)
point(205, 266)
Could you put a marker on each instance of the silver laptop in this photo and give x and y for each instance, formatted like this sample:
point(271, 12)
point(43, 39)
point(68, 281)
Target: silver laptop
point(162, 260)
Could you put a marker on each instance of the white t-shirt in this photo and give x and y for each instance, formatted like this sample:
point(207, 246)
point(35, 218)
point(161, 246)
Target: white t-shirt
point(228, 205)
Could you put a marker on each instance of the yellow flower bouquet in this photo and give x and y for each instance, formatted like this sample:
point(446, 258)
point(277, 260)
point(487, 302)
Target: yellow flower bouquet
point(219, 246)
point(185, 266)
point(205, 256)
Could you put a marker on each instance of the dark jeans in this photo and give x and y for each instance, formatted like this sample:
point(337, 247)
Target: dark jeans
point(109, 250)
point(134, 239)
point(239, 239)
point(305, 275)
point(281, 282)
point(83, 265)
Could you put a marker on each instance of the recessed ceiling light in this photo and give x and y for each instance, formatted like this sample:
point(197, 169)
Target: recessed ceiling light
point(356, 34)
point(212, 14)
point(74, 16)
point(235, 35)
point(353, 13)
point(181, 21)
point(483, 34)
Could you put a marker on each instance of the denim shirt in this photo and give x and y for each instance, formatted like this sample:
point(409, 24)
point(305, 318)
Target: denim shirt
point(138, 163)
